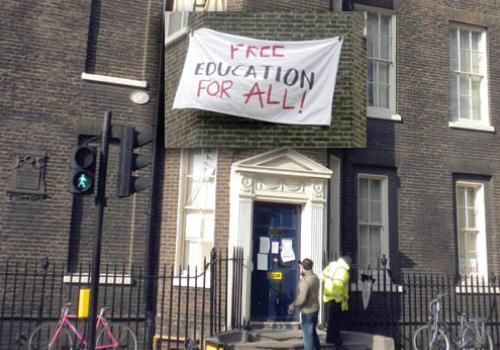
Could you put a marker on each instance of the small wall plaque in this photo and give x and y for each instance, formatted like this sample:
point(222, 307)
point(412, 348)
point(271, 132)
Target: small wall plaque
point(28, 177)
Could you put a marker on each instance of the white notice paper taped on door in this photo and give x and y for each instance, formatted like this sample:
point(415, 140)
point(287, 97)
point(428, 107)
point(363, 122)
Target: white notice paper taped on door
point(264, 245)
point(287, 253)
point(262, 262)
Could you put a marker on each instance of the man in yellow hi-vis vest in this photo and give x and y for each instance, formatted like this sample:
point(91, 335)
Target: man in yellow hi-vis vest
point(335, 278)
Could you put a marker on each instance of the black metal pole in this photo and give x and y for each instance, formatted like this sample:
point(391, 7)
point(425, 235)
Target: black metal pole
point(96, 251)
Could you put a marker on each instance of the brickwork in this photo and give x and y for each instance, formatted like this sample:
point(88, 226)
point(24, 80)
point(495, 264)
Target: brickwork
point(192, 128)
point(282, 5)
point(423, 151)
point(45, 106)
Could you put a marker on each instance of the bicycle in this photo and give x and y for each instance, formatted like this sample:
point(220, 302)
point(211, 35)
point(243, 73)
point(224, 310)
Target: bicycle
point(472, 332)
point(58, 335)
point(432, 336)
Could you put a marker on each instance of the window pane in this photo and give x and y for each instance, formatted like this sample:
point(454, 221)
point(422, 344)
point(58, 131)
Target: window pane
point(461, 218)
point(454, 97)
point(476, 62)
point(363, 211)
point(174, 22)
point(383, 80)
point(375, 212)
point(375, 189)
point(192, 254)
point(465, 98)
point(471, 218)
point(363, 188)
point(375, 245)
point(471, 197)
point(371, 94)
point(193, 224)
point(384, 25)
point(476, 40)
point(476, 100)
point(465, 61)
point(372, 37)
point(464, 40)
point(385, 47)
point(453, 39)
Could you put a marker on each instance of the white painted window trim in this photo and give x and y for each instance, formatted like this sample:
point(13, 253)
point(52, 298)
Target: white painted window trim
point(485, 123)
point(173, 37)
point(387, 113)
point(384, 245)
point(481, 244)
point(97, 78)
point(110, 279)
point(179, 245)
point(396, 288)
point(471, 125)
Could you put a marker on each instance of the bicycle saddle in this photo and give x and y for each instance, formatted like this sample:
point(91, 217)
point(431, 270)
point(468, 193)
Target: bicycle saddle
point(103, 310)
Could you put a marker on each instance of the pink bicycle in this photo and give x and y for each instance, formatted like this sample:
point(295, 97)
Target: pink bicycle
point(57, 335)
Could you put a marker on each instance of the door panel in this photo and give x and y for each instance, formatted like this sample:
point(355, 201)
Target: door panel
point(274, 285)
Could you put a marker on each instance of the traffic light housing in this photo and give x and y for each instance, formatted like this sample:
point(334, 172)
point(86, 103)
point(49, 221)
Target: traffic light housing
point(82, 169)
point(129, 162)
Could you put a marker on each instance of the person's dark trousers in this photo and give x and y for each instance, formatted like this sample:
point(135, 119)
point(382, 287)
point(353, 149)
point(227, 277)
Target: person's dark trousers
point(334, 323)
point(311, 339)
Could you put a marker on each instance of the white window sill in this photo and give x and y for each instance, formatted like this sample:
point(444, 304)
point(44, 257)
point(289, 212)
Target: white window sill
point(84, 278)
point(391, 117)
point(396, 288)
point(176, 36)
point(476, 289)
point(469, 125)
point(97, 78)
point(193, 281)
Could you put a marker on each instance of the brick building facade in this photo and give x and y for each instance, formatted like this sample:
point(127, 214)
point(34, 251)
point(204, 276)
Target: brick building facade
point(52, 98)
point(422, 192)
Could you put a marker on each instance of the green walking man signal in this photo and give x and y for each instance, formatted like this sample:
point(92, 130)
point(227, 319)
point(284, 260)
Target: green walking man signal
point(82, 169)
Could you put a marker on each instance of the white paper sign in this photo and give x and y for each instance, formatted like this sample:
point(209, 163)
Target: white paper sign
point(264, 245)
point(275, 247)
point(262, 262)
point(290, 82)
point(287, 253)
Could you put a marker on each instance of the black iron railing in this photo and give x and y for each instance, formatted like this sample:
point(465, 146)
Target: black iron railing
point(192, 303)
point(398, 305)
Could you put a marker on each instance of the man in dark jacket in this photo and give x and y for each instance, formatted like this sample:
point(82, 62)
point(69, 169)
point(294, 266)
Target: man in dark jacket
point(308, 303)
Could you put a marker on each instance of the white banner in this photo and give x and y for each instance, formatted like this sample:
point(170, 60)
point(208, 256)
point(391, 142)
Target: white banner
point(289, 82)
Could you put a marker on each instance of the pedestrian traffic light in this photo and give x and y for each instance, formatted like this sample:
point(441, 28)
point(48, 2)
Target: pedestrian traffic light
point(82, 169)
point(129, 162)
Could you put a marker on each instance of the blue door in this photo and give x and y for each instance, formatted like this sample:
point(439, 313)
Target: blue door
point(275, 274)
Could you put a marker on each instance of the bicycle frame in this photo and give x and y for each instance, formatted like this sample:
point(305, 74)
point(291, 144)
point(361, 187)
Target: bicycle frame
point(477, 326)
point(101, 321)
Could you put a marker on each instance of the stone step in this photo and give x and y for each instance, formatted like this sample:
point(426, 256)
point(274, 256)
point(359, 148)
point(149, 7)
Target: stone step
point(270, 339)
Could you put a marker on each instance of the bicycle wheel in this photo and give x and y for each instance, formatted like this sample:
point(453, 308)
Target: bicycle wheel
point(477, 342)
point(123, 334)
point(42, 335)
point(422, 340)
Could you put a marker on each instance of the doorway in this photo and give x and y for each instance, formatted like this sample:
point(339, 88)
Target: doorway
point(275, 275)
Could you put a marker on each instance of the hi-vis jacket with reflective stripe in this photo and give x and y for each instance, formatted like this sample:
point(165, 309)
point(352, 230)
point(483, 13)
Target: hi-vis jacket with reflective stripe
point(335, 278)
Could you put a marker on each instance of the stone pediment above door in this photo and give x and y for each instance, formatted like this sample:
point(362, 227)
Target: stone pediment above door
point(284, 162)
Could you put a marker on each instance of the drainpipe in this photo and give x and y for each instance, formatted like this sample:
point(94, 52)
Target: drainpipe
point(151, 254)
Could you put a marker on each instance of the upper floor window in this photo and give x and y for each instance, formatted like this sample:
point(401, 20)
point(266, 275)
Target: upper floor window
point(373, 237)
point(175, 25)
point(196, 231)
point(381, 30)
point(471, 229)
point(177, 16)
point(468, 78)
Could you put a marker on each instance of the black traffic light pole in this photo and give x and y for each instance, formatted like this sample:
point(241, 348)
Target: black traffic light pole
point(96, 251)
